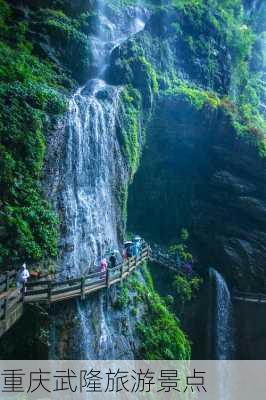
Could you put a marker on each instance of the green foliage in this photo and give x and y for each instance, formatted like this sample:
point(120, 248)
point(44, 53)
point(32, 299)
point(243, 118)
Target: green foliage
point(134, 311)
point(30, 91)
point(147, 69)
point(181, 248)
point(119, 4)
point(204, 26)
point(71, 44)
point(182, 251)
point(247, 119)
point(122, 300)
point(130, 140)
point(185, 288)
point(196, 96)
point(160, 332)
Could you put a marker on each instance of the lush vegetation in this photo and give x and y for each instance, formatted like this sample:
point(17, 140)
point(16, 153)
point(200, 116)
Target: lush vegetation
point(227, 19)
point(130, 126)
point(194, 95)
point(69, 37)
point(219, 41)
point(185, 290)
point(160, 333)
point(30, 92)
point(180, 249)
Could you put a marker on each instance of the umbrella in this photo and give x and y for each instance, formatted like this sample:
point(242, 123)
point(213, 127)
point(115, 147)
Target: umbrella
point(137, 238)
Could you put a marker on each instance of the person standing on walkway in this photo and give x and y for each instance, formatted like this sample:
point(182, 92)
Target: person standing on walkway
point(23, 277)
point(103, 267)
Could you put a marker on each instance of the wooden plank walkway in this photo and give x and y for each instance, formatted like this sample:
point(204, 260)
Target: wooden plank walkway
point(249, 297)
point(49, 291)
point(11, 309)
point(52, 292)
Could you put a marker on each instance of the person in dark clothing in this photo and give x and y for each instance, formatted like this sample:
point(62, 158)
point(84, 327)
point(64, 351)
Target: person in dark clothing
point(112, 260)
point(128, 249)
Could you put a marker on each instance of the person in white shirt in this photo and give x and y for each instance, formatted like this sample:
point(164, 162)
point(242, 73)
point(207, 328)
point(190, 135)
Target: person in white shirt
point(23, 276)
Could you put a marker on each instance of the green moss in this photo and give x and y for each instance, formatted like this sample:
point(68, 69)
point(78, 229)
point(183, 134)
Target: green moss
point(247, 122)
point(120, 4)
point(196, 96)
point(150, 72)
point(227, 19)
point(157, 343)
point(130, 135)
point(185, 288)
point(30, 93)
point(72, 45)
point(122, 300)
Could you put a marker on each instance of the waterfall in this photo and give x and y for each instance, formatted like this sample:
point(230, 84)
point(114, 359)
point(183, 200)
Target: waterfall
point(93, 171)
point(222, 320)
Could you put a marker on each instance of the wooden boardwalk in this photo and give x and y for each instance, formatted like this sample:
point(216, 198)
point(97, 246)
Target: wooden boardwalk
point(11, 302)
point(249, 297)
point(51, 291)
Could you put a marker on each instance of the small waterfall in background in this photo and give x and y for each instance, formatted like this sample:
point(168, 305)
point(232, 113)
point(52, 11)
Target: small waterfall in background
point(93, 171)
point(222, 319)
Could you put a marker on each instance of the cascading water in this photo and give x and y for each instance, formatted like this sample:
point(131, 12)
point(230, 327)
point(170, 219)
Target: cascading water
point(93, 170)
point(223, 327)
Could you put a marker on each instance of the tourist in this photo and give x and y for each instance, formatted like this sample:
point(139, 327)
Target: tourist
point(113, 260)
point(23, 277)
point(128, 249)
point(137, 245)
point(103, 266)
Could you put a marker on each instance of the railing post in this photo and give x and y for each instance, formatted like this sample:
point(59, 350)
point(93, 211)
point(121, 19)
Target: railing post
point(23, 291)
point(6, 300)
point(7, 281)
point(49, 292)
point(82, 288)
point(6, 307)
point(108, 277)
point(122, 271)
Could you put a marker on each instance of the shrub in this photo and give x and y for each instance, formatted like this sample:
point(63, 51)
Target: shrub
point(160, 332)
point(186, 289)
point(122, 300)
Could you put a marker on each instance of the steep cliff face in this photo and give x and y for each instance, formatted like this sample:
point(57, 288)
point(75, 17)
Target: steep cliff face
point(197, 171)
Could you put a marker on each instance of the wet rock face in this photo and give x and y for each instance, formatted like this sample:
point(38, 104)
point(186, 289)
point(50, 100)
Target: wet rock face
point(168, 49)
point(86, 171)
point(197, 173)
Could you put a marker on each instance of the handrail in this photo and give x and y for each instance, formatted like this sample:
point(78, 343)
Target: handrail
point(50, 291)
point(249, 296)
point(85, 283)
point(252, 294)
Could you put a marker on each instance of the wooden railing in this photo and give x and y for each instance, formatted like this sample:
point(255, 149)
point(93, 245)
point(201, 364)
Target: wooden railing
point(251, 297)
point(55, 291)
point(163, 259)
point(11, 308)
point(51, 291)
